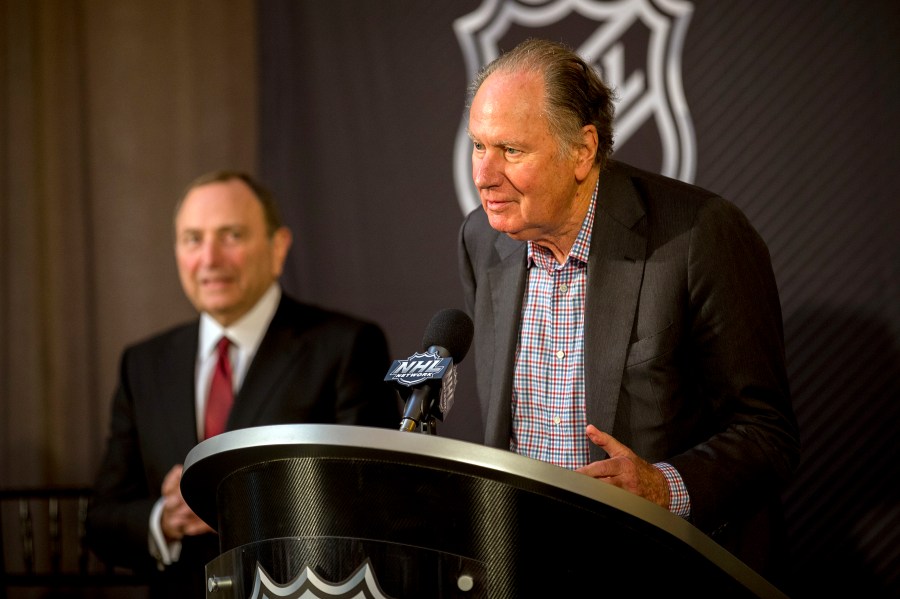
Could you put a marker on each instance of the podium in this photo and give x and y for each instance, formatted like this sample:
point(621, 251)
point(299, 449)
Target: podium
point(320, 511)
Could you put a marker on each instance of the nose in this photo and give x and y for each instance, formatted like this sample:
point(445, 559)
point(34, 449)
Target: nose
point(209, 252)
point(487, 169)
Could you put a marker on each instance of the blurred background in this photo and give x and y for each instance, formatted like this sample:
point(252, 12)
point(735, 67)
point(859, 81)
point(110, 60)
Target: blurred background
point(351, 112)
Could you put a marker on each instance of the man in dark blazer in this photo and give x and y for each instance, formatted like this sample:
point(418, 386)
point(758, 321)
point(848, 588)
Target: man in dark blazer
point(627, 325)
point(292, 363)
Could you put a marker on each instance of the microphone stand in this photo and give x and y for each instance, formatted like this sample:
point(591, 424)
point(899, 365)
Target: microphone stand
point(426, 424)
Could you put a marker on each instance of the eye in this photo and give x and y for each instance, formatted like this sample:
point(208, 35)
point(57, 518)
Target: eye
point(190, 238)
point(233, 235)
point(512, 151)
point(478, 146)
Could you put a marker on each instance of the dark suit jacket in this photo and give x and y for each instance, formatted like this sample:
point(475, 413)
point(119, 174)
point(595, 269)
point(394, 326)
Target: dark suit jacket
point(684, 356)
point(312, 366)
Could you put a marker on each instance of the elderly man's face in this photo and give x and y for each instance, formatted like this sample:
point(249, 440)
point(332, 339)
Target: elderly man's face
point(226, 261)
point(527, 188)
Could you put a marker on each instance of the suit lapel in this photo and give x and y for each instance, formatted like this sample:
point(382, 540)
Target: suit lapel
point(615, 271)
point(507, 279)
point(276, 354)
point(176, 395)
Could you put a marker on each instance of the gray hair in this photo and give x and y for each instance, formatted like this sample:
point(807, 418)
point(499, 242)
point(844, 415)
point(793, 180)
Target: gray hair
point(575, 94)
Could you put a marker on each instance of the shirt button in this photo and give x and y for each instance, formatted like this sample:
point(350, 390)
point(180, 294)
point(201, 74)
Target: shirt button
point(557, 420)
point(560, 354)
point(563, 288)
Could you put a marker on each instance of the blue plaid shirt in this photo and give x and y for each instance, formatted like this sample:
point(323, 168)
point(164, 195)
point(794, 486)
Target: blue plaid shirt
point(548, 402)
point(548, 407)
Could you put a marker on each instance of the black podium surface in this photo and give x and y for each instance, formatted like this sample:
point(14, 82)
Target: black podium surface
point(426, 516)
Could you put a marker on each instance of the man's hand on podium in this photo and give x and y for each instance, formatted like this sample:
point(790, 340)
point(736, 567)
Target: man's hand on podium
point(626, 470)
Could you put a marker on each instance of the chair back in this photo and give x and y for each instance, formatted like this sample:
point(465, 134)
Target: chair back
point(42, 542)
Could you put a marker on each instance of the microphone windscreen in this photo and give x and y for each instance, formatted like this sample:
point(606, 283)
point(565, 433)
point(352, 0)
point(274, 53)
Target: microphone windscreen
point(451, 329)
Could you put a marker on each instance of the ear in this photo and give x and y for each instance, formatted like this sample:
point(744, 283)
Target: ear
point(586, 152)
point(281, 243)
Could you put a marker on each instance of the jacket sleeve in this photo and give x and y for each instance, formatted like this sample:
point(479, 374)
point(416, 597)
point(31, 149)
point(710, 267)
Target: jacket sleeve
point(736, 342)
point(119, 511)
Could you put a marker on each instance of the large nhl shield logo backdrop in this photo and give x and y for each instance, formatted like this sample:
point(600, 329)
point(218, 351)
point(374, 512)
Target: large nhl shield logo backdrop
point(636, 45)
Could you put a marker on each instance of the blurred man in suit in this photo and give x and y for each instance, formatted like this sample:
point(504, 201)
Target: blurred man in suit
point(627, 325)
point(288, 363)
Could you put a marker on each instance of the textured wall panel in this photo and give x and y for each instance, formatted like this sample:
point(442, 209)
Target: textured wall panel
point(795, 110)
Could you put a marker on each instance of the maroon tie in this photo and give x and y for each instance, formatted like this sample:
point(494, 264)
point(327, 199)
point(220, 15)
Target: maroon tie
point(221, 393)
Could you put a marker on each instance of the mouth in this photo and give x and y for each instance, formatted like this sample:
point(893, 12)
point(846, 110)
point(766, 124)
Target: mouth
point(214, 283)
point(494, 203)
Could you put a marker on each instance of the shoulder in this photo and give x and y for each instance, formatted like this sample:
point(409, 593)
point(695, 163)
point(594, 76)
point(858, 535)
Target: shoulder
point(669, 200)
point(166, 341)
point(659, 196)
point(311, 319)
point(655, 184)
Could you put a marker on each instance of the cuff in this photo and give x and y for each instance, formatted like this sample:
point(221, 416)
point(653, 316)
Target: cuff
point(166, 554)
point(679, 499)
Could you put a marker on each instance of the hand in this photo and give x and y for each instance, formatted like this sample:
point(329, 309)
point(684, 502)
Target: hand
point(626, 470)
point(178, 520)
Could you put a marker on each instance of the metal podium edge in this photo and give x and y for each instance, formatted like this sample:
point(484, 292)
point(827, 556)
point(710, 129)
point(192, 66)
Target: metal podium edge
point(470, 454)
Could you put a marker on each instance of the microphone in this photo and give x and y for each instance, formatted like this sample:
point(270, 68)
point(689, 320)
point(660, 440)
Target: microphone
point(432, 375)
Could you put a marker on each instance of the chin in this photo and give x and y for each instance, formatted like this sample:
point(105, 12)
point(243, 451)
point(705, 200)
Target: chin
point(217, 306)
point(503, 225)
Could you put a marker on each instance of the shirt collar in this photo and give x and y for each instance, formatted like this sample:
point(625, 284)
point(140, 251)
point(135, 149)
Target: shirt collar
point(247, 332)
